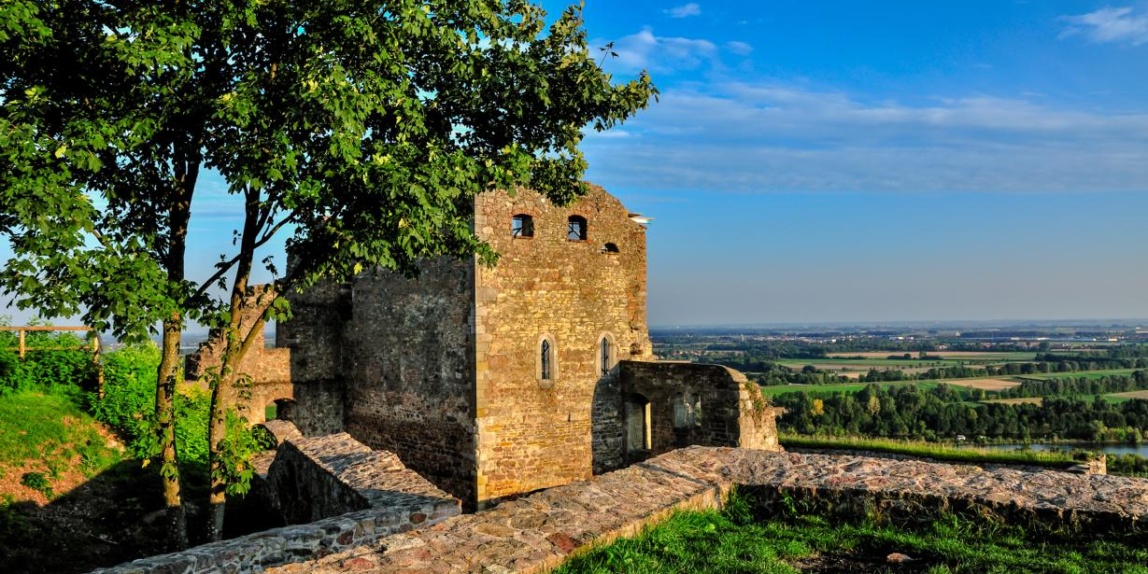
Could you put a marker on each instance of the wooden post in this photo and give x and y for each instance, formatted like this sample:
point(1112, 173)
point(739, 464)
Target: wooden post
point(21, 335)
point(99, 365)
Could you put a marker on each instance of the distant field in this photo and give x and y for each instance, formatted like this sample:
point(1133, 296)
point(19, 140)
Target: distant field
point(985, 384)
point(1020, 401)
point(867, 362)
point(1130, 395)
point(1078, 374)
point(952, 355)
point(772, 391)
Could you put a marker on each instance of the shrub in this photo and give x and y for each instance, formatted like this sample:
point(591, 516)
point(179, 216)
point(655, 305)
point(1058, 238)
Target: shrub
point(128, 405)
point(38, 482)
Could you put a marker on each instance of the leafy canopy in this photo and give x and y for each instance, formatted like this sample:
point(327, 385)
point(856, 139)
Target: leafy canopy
point(362, 128)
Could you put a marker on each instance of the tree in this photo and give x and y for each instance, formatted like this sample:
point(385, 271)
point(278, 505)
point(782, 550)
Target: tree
point(362, 129)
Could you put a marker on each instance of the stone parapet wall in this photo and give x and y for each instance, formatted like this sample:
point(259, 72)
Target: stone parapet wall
point(538, 532)
point(358, 496)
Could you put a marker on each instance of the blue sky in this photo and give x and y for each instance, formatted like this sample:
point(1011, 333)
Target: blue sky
point(832, 161)
point(872, 161)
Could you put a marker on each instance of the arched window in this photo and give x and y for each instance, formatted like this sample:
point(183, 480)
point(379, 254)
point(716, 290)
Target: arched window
point(607, 355)
point(522, 225)
point(546, 368)
point(610, 248)
point(576, 228)
point(547, 360)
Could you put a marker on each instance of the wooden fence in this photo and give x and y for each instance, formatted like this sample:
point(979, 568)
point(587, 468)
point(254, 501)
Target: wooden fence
point(96, 347)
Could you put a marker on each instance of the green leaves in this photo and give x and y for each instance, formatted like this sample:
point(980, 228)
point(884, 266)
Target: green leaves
point(362, 128)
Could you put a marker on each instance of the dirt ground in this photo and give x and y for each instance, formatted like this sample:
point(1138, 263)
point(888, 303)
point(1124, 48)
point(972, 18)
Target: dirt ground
point(1020, 401)
point(985, 384)
point(1132, 395)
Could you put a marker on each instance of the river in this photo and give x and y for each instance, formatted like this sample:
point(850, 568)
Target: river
point(1140, 449)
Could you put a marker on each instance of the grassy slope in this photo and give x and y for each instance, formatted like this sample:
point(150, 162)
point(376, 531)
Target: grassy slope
point(51, 436)
point(712, 542)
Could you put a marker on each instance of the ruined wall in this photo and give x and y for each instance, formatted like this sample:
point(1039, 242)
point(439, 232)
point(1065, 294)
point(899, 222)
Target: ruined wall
point(266, 370)
point(408, 350)
point(356, 496)
point(688, 404)
point(535, 433)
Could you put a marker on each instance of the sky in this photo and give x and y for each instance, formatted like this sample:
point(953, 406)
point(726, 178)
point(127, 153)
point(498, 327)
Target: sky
point(838, 161)
point(817, 161)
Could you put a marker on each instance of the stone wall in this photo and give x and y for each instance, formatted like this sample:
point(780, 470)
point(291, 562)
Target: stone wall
point(314, 335)
point(669, 405)
point(535, 433)
point(349, 495)
point(408, 350)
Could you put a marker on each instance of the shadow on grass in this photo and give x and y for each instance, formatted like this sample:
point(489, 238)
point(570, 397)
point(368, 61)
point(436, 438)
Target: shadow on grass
point(115, 517)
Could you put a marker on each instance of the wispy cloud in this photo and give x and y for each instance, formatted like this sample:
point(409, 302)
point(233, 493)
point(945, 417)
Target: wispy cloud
point(747, 137)
point(685, 11)
point(645, 50)
point(1109, 25)
point(739, 48)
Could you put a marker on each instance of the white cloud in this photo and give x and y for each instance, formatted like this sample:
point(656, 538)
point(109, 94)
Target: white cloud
point(1109, 25)
point(685, 11)
point(644, 50)
point(746, 137)
point(739, 48)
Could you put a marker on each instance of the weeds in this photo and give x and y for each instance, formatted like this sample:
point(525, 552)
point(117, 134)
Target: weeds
point(38, 482)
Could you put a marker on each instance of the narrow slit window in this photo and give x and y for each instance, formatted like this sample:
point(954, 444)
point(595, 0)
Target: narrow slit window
point(546, 361)
point(522, 226)
point(605, 356)
point(576, 228)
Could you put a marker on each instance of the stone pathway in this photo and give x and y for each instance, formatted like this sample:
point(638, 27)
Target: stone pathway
point(539, 531)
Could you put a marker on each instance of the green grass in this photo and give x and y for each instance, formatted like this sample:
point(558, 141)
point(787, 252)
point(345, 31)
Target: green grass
point(1078, 374)
point(737, 541)
point(936, 451)
point(51, 431)
point(774, 390)
point(903, 363)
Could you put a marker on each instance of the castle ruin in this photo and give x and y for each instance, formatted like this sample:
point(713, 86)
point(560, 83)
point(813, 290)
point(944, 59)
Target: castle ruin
point(493, 381)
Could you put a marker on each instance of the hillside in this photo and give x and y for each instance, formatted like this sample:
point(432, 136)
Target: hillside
point(70, 500)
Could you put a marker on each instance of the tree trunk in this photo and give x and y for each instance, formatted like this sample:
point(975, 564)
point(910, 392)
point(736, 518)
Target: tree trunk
point(165, 418)
point(217, 430)
point(239, 338)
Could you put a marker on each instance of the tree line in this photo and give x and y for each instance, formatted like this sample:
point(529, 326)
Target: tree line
point(943, 412)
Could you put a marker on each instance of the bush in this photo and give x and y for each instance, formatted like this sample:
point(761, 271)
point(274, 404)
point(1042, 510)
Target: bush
point(38, 482)
point(128, 405)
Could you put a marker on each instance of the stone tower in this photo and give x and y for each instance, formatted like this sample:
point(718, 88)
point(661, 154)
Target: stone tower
point(483, 378)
